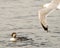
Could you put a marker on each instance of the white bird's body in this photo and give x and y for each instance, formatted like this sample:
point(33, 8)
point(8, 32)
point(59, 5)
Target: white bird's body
point(47, 8)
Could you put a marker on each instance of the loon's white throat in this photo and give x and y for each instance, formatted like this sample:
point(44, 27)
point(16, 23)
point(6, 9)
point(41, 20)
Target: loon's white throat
point(13, 39)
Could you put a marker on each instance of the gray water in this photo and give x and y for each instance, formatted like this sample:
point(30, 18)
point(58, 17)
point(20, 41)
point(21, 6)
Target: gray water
point(21, 16)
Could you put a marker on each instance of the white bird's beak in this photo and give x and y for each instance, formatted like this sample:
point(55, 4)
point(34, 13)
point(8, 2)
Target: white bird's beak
point(45, 28)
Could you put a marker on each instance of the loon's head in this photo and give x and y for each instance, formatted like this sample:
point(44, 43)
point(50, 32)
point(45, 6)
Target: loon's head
point(13, 35)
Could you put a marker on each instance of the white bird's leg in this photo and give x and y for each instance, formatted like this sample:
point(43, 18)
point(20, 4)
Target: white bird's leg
point(45, 11)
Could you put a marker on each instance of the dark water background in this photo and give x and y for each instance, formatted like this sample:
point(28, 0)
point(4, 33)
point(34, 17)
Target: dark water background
point(21, 16)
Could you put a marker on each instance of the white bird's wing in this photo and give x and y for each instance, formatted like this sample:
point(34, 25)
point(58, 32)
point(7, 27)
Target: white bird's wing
point(46, 5)
point(58, 7)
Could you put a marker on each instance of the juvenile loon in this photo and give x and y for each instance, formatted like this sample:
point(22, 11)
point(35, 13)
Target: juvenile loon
point(14, 38)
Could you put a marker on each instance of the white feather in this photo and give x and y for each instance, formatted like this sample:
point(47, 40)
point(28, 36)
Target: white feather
point(58, 7)
point(46, 5)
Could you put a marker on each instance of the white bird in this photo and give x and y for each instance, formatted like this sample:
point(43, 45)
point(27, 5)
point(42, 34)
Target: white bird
point(47, 8)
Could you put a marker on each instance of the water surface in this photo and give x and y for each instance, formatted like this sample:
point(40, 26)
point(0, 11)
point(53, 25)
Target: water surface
point(21, 16)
